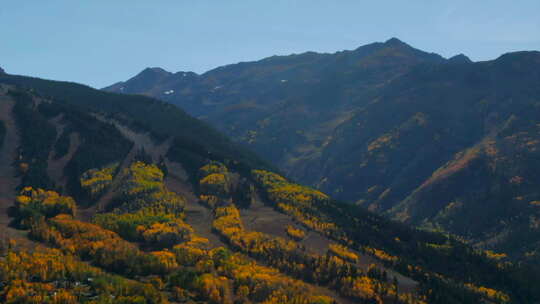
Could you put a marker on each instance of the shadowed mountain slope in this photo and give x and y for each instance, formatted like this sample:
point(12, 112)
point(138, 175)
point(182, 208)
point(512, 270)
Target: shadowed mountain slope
point(177, 208)
point(395, 129)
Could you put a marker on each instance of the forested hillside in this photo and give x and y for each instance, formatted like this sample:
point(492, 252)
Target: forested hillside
point(434, 142)
point(115, 201)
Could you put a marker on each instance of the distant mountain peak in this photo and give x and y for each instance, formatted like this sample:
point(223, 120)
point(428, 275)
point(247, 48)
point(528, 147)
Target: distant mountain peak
point(395, 42)
point(152, 74)
point(155, 71)
point(460, 58)
point(145, 78)
point(2, 71)
point(404, 48)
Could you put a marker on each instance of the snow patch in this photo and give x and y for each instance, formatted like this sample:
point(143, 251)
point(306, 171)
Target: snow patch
point(168, 92)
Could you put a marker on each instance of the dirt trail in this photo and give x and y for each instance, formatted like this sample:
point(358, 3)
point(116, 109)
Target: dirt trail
point(140, 140)
point(55, 167)
point(263, 218)
point(8, 179)
point(8, 152)
point(198, 216)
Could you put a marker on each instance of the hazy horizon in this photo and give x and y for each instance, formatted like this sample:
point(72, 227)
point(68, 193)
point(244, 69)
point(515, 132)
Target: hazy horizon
point(100, 43)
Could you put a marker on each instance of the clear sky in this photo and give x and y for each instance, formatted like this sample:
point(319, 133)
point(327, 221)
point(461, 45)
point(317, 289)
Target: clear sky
point(99, 42)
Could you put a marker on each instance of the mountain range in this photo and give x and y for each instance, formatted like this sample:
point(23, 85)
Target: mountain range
point(113, 198)
point(124, 198)
point(448, 145)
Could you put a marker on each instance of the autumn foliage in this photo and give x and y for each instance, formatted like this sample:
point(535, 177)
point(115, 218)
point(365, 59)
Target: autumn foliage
point(34, 203)
point(148, 212)
point(50, 276)
point(96, 181)
point(156, 257)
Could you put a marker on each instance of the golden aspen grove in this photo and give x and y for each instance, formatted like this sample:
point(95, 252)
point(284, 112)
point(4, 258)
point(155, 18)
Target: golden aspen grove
point(144, 241)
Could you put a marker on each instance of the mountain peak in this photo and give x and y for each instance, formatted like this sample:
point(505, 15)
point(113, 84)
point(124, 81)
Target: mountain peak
point(460, 58)
point(2, 71)
point(145, 79)
point(395, 42)
point(155, 71)
point(152, 74)
point(402, 47)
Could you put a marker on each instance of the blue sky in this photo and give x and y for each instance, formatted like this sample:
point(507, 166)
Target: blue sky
point(100, 42)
